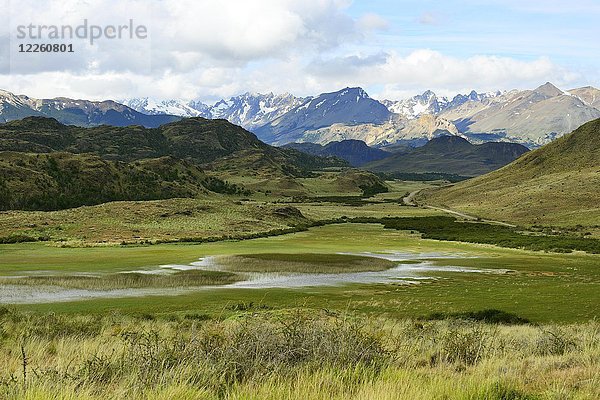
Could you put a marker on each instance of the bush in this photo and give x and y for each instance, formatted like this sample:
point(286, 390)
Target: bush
point(490, 316)
point(463, 347)
point(448, 228)
point(555, 342)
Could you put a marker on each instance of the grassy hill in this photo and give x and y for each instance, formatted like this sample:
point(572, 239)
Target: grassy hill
point(558, 184)
point(450, 155)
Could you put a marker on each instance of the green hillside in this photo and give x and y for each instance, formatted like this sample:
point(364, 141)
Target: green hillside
point(45, 165)
point(558, 184)
point(63, 180)
point(198, 140)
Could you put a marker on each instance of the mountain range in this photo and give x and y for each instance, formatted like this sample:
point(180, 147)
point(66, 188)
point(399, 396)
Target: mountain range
point(77, 112)
point(532, 117)
point(249, 110)
point(430, 103)
point(447, 156)
point(529, 117)
point(451, 155)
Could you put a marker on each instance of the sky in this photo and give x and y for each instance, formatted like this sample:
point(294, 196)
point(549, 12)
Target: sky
point(212, 49)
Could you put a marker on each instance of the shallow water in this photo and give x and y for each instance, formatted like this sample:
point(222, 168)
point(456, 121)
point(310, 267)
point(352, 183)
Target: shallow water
point(403, 274)
point(24, 294)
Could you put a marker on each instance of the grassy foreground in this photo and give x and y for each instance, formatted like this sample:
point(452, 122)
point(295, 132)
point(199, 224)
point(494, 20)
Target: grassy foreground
point(293, 355)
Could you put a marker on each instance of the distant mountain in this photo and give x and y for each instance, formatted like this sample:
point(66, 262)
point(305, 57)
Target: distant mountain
point(356, 152)
point(248, 110)
point(557, 184)
point(414, 132)
point(150, 106)
point(589, 95)
point(252, 110)
point(349, 106)
point(531, 117)
point(450, 155)
point(430, 103)
point(76, 112)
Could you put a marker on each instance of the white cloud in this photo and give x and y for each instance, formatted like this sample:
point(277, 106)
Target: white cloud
point(391, 75)
point(186, 33)
point(210, 49)
point(373, 22)
point(427, 69)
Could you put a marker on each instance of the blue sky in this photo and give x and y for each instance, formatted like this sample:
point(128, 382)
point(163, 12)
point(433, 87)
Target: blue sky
point(209, 49)
point(521, 29)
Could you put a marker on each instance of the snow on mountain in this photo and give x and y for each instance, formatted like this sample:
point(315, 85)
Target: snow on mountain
point(152, 106)
point(76, 112)
point(430, 103)
point(249, 110)
point(531, 117)
point(351, 106)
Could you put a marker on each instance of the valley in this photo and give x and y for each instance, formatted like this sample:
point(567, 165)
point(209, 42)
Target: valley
point(130, 238)
point(299, 200)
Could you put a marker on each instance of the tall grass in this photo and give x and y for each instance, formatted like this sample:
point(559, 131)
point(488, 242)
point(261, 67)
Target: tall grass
point(294, 354)
point(129, 280)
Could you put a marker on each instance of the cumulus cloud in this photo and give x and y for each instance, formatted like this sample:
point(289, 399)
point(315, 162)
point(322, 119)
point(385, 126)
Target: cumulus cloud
point(428, 69)
point(391, 74)
point(210, 49)
point(372, 22)
point(186, 33)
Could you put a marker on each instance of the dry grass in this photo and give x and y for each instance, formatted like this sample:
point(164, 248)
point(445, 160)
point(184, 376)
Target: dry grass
point(310, 263)
point(296, 356)
point(128, 221)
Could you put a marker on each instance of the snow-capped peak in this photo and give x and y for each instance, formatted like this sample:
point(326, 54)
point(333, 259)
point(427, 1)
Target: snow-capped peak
point(152, 106)
point(430, 103)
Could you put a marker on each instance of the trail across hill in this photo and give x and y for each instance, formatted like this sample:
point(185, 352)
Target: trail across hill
point(409, 200)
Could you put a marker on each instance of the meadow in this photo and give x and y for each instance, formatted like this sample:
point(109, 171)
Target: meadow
point(542, 287)
point(493, 313)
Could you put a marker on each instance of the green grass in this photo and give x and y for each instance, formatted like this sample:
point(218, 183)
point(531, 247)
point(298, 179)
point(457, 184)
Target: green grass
point(555, 185)
point(546, 286)
point(128, 280)
point(210, 218)
point(375, 209)
point(139, 222)
point(448, 228)
point(310, 263)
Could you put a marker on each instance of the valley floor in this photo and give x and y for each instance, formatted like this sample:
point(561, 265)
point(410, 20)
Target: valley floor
point(274, 317)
